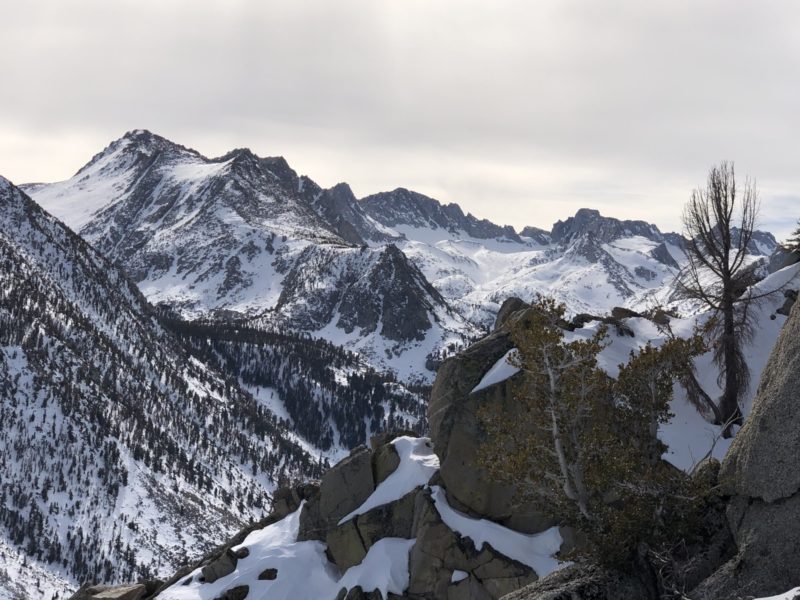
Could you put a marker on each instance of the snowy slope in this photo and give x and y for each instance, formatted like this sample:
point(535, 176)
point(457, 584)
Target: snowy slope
point(118, 451)
point(589, 273)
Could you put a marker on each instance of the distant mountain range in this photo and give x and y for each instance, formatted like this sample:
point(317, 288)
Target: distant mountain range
point(395, 276)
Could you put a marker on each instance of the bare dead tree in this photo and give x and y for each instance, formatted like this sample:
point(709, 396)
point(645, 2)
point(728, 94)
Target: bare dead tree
point(718, 223)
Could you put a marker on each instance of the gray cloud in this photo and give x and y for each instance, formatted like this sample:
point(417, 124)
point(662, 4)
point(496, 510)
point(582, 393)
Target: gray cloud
point(520, 111)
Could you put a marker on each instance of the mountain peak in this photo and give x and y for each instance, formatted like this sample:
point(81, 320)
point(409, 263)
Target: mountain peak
point(604, 229)
point(135, 145)
point(147, 142)
point(587, 213)
point(139, 134)
point(403, 207)
point(343, 189)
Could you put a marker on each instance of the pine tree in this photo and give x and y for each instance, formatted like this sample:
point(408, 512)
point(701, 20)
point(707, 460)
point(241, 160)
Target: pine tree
point(581, 445)
point(793, 243)
point(719, 221)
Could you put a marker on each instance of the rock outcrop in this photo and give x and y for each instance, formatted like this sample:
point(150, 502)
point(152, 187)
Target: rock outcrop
point(341, 512)
point(439, 553)
point(136, 591)
point(457, 433)
point(762, 472)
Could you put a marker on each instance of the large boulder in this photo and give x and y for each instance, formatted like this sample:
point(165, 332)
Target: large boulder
point(221, 567)
point(345, 546)
point(457, 433)
point(762, 472)
point(509, 307)
point(440, 555)
point(343, 488)
point(346, 486)
point(384, 462)
point(349, 542)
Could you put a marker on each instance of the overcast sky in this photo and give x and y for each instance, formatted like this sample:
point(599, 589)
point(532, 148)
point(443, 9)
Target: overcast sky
point(520, 111)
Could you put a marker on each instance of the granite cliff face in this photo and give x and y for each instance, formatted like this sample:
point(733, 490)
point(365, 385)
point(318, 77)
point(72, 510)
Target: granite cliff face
point(762, 473)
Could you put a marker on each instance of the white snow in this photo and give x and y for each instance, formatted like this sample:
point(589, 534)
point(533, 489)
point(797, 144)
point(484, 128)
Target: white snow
point(500, 371)
point(384, 568)
point(792, 594)
point(417, 465)
point(271, 547)
point(303, 570)
point(535, 550)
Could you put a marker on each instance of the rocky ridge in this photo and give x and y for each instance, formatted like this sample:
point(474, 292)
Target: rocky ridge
point(246, 236)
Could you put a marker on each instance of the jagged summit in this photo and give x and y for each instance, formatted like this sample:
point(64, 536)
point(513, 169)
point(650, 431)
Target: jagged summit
point(341, 208)
point(606, 229)
point(137, 144)
point(540, 236)
point(402, 207)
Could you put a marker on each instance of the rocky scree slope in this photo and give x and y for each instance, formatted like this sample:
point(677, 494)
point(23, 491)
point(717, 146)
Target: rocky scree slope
point(118, 450)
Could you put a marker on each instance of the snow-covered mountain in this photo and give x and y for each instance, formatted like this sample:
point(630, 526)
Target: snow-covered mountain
point(243, 234)
point(118, 450)
point(395, 276)
point(590, 262)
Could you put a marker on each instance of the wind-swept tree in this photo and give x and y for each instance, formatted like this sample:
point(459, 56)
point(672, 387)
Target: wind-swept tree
point(581, 445)
point(719, 220)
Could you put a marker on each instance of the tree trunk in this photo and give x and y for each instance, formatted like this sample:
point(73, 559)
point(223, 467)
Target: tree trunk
point(729, 403)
